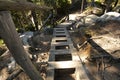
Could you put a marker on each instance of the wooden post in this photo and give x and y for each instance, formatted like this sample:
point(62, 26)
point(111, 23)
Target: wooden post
point(11, 38)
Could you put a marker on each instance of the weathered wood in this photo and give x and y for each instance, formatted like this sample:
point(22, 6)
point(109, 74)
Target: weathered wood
point(62, 64)
point(11, 38)
point(59, 61)
point(44, 23)
point(20, 5)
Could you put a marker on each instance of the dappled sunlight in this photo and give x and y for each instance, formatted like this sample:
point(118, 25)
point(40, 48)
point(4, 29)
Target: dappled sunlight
point(63, 64)
point(85, 52)
point(110, 44)
point(83, 58)
point(3, 74)
point(113, 69)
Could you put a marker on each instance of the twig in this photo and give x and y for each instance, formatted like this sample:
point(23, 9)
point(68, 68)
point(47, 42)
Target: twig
point(15, 74)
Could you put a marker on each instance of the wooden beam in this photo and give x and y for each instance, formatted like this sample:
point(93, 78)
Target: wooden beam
point(11, 38)
point(19, 5)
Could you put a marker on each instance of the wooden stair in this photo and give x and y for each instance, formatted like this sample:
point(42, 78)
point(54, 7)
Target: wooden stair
point(63, 59)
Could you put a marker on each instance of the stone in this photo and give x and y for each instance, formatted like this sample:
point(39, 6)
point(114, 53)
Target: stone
point(25, 36)
point(90, 19)
point(110, 16)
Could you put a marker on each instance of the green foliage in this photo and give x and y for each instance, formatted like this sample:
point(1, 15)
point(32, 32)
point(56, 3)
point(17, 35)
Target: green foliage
point(23, 19)
point(1, 42)
point(63, 6)
point(30, 28)
point(63, 3)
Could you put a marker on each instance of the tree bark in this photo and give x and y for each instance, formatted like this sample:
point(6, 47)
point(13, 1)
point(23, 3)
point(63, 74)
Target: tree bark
point(34, 16)
point(14, 44)
point(82, 4)
point(108, 5)
point(20, 5)
point(92, 3)
point(116, 1)
point(35, 19)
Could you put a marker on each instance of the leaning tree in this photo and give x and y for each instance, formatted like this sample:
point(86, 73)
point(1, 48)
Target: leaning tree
point(11, 38)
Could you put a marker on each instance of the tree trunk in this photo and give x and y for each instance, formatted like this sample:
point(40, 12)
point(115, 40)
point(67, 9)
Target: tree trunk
point(92, 3)
point(82, 4)
point(14, 44)
point(116, 1)
point(34, 16)
point(108, 5)
point(35, 19)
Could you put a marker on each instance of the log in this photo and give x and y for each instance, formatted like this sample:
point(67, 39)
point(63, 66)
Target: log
point(19, 5)
point(13, 42)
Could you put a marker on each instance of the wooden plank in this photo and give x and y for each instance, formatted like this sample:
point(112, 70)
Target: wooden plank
point(67, 64)
point(80, 72)
point(59, 38)
point(63, 64)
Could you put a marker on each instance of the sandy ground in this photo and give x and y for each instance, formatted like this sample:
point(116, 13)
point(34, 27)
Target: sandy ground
point(108, 38)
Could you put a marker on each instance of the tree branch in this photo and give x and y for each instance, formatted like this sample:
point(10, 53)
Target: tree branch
point(20, 5)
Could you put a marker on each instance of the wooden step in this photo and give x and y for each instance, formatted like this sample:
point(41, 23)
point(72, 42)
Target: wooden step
point(63, 64)
point(63, 58)
point(72, 67)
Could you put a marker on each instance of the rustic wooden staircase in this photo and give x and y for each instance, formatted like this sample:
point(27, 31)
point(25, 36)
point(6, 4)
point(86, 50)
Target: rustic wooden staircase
point(64, 63)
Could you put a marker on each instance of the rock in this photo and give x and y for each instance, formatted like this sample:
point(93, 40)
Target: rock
point(97, 11)
point(90, 19)
point(36, 40)
point(25, 36)
point(117, 9)
point(11, 65)
point(108, 43)
point(78, 25)
point(48, 31)
point(110, 16)
point(72, 16)
point(118, 18)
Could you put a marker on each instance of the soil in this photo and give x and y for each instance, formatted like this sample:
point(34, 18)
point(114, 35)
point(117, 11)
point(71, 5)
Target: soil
point(110, 43)
point(40, 50)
